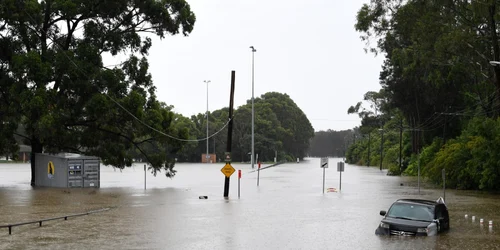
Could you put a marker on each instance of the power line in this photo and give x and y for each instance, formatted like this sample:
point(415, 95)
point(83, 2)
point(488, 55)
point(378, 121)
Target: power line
point(119, 105)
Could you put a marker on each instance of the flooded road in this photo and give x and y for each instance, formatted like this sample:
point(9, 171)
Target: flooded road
point(287, 211)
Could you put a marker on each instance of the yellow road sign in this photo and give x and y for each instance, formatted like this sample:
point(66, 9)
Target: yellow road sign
point(227, 170)
point(50, 170)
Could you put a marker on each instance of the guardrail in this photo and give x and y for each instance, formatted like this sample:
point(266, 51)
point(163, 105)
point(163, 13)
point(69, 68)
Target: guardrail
point(10, 226)
point(270, 166)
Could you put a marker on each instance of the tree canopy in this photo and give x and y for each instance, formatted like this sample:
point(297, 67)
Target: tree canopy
point(282, 130)
point(441, 74)
point(53, 82)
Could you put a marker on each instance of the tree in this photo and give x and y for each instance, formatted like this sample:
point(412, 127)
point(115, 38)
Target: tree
point(441, 69)
point(268, 140)
point(54, 79)
point(242, 133)
point(297, 129)
point(188, 151)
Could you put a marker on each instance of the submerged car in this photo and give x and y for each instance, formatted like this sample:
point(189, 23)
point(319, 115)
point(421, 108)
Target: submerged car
point(414, 217)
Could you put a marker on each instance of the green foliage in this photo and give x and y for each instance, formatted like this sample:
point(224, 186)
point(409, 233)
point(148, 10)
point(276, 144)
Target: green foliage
point(273, 129)
point(427, 155)
point(59, 92)
point(437, 74)
point(296, 130)
point(470, 161)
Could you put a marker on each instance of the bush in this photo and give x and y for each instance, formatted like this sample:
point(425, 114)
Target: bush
point(471, 161)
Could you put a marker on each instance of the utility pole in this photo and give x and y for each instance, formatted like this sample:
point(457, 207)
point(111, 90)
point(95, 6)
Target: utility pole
point(229, 130)
point(444, 130)
point(381, 147)
point(369, 146)
point(400, 145)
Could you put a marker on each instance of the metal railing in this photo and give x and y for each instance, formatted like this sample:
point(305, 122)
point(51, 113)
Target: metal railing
point(10, 226)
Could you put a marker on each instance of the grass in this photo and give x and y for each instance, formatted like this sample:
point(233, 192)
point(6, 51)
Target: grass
point(5, 161)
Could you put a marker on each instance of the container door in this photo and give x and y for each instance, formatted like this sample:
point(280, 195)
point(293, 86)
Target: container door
point(75, 173)
point(91, 173)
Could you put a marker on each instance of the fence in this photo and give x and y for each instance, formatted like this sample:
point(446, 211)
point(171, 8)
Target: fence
point(10, 226)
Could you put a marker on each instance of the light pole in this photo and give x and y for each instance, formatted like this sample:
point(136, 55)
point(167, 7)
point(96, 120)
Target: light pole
point(253, 112)
point(207, 82)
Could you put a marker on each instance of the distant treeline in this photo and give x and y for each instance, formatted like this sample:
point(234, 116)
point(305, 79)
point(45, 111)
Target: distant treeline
point(331, 143)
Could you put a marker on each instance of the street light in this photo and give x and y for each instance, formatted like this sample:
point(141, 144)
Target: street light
point(494, 63)
point(253, 112)
point(207, 82)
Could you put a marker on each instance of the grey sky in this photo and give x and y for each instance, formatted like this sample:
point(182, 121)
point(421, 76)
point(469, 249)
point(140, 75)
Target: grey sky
point(306, 49)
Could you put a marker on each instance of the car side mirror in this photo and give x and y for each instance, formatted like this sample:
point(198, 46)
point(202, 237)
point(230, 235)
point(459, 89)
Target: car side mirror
point(382, 212)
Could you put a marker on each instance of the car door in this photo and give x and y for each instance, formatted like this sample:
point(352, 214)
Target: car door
point(443, 217)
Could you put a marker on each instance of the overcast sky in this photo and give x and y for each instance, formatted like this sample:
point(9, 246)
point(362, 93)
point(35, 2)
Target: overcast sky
point(306, 49)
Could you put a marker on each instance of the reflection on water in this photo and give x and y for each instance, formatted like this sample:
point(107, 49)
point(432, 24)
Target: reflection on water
point(287, 211)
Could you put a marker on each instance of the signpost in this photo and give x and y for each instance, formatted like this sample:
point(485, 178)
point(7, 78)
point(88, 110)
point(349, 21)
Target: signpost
point(323, 165)
point(340, 168)
point(258, 174)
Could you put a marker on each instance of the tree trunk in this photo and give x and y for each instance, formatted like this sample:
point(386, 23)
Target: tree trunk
point(36, 148)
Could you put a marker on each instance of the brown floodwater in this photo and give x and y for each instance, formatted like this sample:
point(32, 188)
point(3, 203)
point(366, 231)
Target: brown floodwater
point(288, 210)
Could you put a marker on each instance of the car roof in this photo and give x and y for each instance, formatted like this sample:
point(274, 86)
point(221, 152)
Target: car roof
point(418, 201)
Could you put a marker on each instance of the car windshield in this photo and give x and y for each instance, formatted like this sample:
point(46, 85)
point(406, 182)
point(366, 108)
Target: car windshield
point(411, 212)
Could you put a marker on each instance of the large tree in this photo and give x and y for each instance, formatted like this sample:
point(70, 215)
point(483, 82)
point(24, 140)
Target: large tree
point(54, 84)
point(438, 55)
point(442, 67)
point(297, 130)
point(281, 129)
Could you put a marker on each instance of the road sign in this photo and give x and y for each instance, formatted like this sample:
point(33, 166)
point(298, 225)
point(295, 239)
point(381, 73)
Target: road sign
point(227, 156)
point(324, 162)
point(340, 166)
point(227, 170)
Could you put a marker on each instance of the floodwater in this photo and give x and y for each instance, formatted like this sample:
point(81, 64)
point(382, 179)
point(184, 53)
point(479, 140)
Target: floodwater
point(288, 210)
